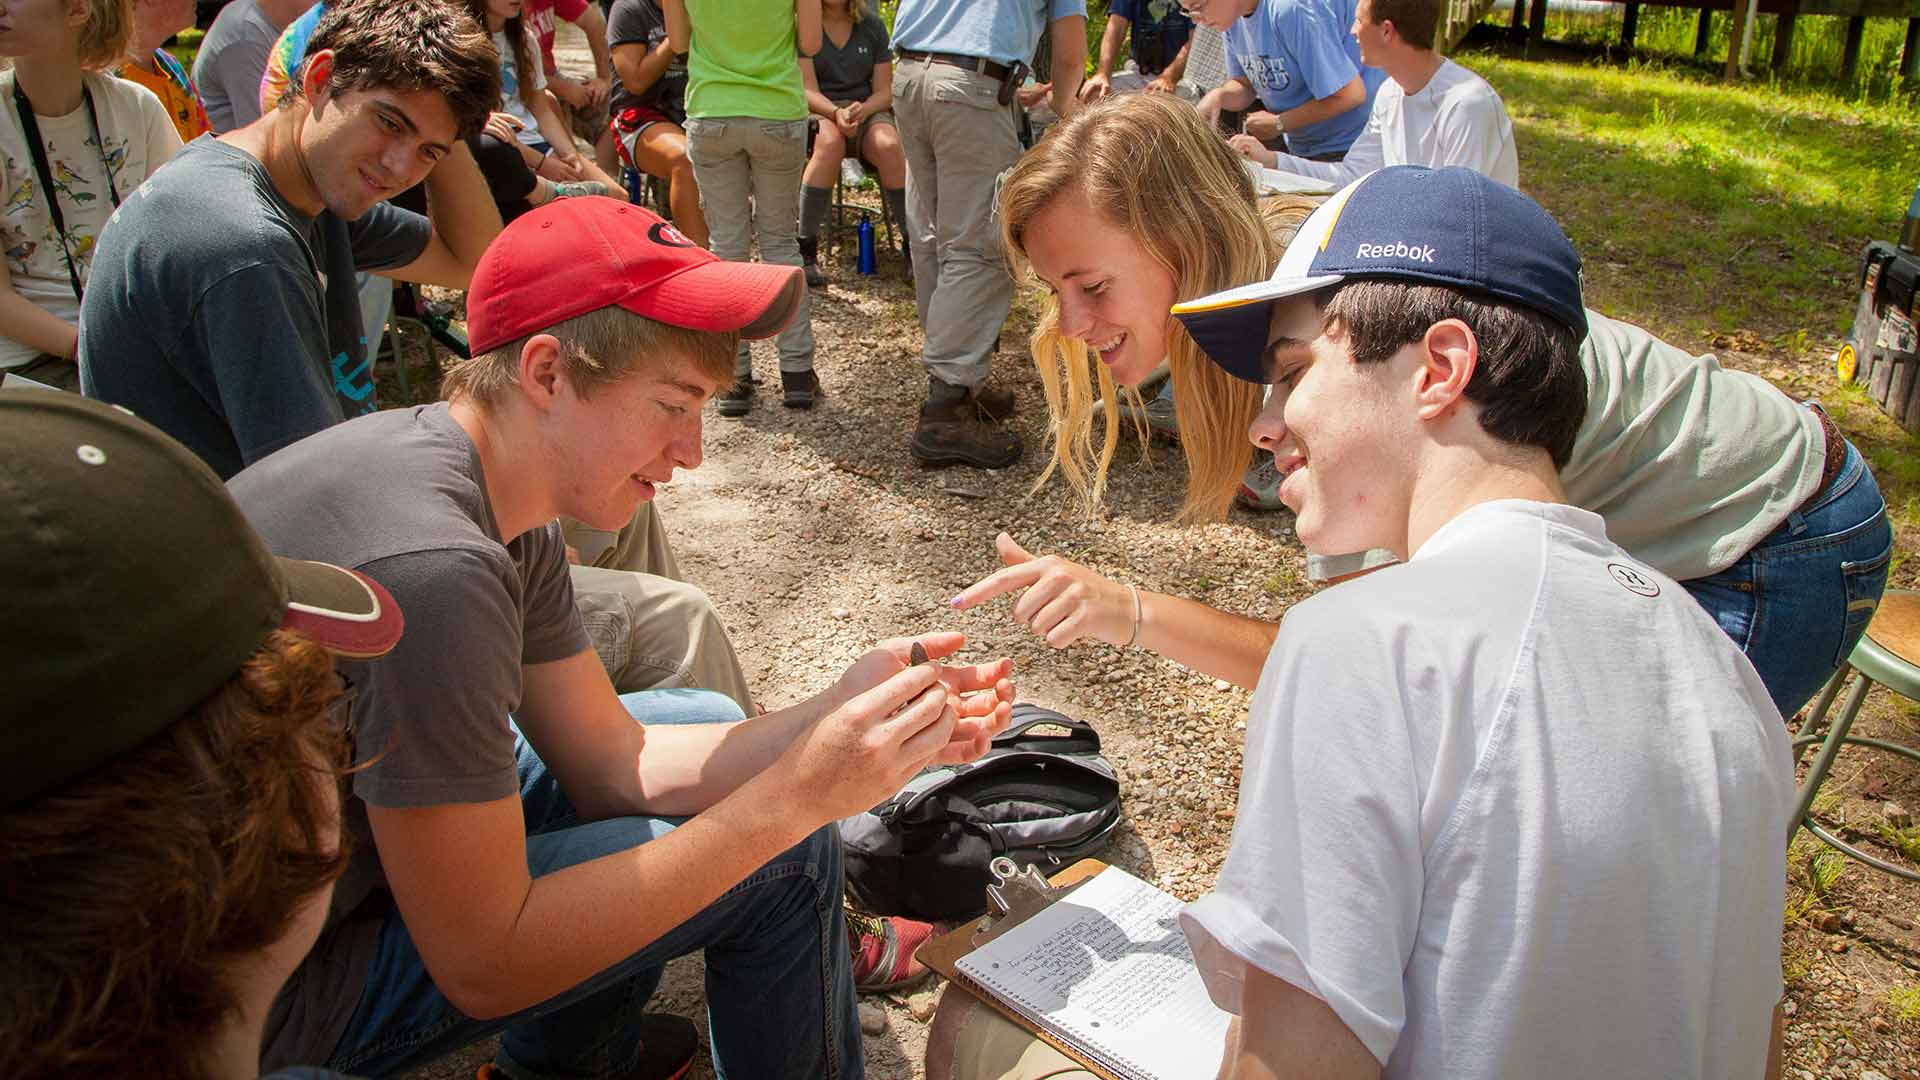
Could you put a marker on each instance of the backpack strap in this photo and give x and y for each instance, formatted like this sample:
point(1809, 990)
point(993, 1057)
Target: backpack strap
point(1079, 739)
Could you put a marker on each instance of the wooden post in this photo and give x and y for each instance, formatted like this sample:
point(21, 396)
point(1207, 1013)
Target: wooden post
point(1629, 25)
point(1537, 22)
point(1518, 30)
point(1703, 33)
point(1744, 12)
point(1850, 56)
point(1910, 55)
point(1782, 41)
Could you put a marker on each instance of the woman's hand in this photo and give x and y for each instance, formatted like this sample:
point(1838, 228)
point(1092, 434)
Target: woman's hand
point(503, 126)
point(1250, 148)
point(1059, 600)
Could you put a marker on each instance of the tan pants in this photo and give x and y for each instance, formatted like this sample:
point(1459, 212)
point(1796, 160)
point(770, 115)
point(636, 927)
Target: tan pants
point(650, 629)
point(969, 1041)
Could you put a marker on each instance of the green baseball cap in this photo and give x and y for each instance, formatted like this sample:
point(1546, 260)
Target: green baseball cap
point(135, 588)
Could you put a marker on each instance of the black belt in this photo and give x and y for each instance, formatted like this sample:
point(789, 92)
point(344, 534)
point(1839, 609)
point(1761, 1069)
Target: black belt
point(972, 63)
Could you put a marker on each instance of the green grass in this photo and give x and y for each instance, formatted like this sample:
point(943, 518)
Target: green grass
point(1825, 871)
point(1711, 208)
point(1903, 1001)
point(1905, 841)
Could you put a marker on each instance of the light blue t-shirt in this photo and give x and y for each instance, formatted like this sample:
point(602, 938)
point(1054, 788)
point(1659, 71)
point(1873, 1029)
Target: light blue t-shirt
point(1296, 51)
point(1000, 30)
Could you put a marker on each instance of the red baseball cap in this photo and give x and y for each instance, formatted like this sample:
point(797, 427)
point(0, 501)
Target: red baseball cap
point(577, 255)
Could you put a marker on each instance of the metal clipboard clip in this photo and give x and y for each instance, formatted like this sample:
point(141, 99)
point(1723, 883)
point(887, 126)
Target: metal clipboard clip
point(1016, 895)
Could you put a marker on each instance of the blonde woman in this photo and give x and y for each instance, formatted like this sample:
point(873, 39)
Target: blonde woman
point(74, 141)
point(1755, 504)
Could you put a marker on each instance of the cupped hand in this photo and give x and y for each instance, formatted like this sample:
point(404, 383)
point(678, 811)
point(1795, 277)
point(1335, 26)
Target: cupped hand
point(1160, 84)
point(597, 90)
point(1095, 88)
point(1059, 600)
point(1262, 125)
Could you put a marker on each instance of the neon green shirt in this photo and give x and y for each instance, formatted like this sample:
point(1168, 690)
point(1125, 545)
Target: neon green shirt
point(743, 61)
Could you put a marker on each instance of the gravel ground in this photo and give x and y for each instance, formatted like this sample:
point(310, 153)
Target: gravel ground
point(816, 536)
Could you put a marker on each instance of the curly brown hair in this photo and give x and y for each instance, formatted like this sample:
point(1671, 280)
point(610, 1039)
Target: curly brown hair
point(129, 894)
point(411, 45)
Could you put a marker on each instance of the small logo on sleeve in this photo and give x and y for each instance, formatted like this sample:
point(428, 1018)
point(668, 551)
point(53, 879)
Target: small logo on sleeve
point(1633, 580)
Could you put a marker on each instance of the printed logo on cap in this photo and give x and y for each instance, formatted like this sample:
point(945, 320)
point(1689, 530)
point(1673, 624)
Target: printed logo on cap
point(664, 234)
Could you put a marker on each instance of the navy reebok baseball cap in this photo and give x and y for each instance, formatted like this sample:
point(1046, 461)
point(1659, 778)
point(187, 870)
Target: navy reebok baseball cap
point(1448, 226)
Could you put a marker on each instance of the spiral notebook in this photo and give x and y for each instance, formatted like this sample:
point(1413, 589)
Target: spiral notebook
point(1107, 971)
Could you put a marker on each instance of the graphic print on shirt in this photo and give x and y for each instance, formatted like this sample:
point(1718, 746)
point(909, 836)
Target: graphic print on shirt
point(1268, 74)
point(76, 185)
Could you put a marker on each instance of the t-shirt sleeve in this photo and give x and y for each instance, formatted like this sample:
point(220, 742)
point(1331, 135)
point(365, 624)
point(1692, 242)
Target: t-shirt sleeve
point(632, 22)
point(162, 138)
point(1321, 51)
point(570, 10)
point(552, 622)
point(267, 380)
point(1468, 131)
point(431, 716)
point(1064, 9)
point(1123, 8)
point(1232, 41)
point(875, 32)
point(388, 236)
point(1322, 884)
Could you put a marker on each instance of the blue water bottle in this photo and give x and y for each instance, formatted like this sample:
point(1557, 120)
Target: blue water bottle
point(866, 246)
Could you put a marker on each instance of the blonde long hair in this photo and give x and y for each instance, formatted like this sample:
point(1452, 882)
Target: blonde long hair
point(1152, 166)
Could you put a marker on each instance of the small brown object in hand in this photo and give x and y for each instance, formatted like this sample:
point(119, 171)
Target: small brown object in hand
point(918, 654)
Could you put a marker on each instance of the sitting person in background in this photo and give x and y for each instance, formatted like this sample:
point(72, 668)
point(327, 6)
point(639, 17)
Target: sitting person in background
point(1430, 111)
point(529, 119)
point(497, 150)
point(152, 66)
point(1298, 60)
point(650, 108)
point(850, 93)
point(583, 101)
point(233, 57)
point(172, 809)
point(74, 141)
point(249, 333)
point(1160, 31)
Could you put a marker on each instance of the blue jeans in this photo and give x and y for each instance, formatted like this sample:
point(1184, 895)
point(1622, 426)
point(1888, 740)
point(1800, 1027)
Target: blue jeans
point(779, 987)
point(1798, 602)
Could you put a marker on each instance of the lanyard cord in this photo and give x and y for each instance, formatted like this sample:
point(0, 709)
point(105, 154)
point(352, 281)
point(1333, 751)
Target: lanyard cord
point(30, 127)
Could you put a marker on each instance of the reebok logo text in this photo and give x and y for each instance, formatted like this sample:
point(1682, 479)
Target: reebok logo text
point(1416, 253)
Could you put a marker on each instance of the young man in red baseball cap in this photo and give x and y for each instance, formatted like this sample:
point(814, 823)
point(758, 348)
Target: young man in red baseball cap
point(533, 848)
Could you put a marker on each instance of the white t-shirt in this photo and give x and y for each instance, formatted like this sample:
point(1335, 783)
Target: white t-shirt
point(1514, 808)
point(511, 100)
point(140, 137)
point(1456, 119)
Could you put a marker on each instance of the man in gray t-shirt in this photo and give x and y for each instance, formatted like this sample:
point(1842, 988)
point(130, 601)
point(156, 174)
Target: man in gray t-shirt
point(531, 848)
point(233, 56)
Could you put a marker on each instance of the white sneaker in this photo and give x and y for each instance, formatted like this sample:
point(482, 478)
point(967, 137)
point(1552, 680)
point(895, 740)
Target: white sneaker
point(1260, 488)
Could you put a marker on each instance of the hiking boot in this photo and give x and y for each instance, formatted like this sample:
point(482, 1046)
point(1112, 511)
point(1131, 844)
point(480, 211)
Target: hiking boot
point(1260, 488)
point(736, 400)
point(955, 429)
point(799, 389)
point(668, 1045)
point(883, 951)
point(995, 404)
point(1158, 416)
point(810, 262)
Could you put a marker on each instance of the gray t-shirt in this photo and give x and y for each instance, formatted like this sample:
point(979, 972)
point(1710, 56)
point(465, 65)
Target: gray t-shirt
point(845, 72)
point(228, 319)
point(431, 715)
point(231, 59)
point(639, 22)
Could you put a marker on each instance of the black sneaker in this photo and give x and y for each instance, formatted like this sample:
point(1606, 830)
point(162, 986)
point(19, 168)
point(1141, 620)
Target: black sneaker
point(799, 389)
point(737, 400)
point(959, 432)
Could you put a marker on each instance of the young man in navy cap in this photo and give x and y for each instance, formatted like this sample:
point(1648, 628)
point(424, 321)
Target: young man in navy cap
point(532, 847)
point(169, 772)
point(1533, 798)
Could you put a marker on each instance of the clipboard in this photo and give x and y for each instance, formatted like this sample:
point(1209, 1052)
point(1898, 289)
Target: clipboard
point(943, 954)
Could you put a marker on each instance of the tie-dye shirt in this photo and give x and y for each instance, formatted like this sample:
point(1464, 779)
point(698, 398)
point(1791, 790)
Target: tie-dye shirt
point(139, 138)
point(285, 57)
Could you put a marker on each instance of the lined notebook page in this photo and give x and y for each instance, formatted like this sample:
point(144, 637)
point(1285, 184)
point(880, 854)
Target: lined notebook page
point(1109, 971)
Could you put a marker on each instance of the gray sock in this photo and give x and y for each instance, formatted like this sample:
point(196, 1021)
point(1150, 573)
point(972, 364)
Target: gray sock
point(814, 202)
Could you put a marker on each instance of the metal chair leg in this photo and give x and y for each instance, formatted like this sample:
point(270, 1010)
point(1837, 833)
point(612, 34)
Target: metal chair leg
point(1830, 749)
